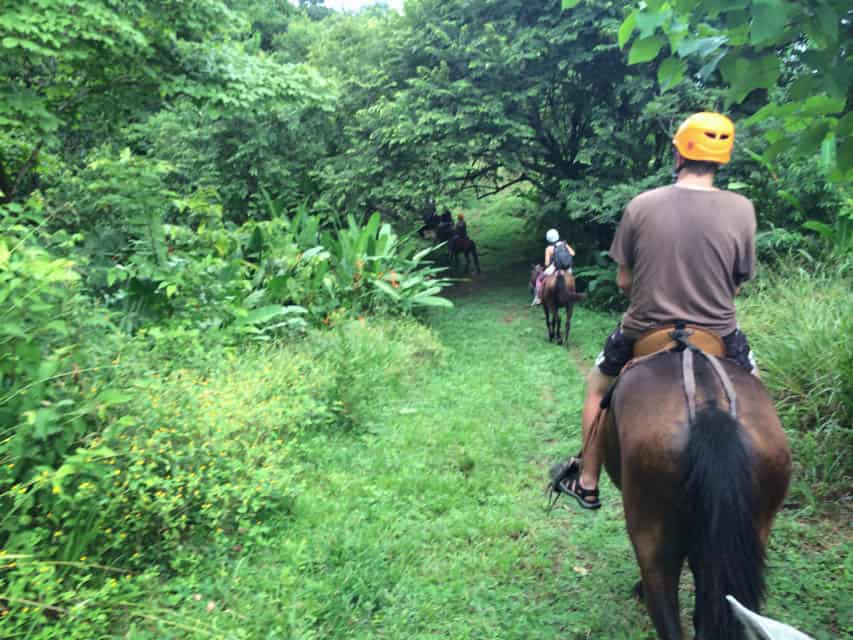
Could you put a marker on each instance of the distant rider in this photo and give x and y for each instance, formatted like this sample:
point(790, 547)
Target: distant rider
point(558, 255)
point(461, 230)
point(445, 220)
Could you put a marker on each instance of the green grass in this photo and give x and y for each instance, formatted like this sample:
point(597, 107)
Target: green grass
point(799, 324)
point(429, 522)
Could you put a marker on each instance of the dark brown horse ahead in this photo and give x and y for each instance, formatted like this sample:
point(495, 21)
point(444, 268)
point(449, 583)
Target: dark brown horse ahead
point(705, 488)
point(558, 292)
point(467, 248)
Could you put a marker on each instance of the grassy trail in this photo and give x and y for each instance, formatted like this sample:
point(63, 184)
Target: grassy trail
point(431, 524)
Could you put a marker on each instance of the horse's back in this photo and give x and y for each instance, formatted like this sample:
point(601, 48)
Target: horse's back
point(650, 419)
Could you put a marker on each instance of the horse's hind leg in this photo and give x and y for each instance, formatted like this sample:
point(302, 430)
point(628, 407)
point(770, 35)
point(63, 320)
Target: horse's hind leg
point(557, 322)
point(569, 309)
point(548, 322)
point(659, 590)
point(660, 554)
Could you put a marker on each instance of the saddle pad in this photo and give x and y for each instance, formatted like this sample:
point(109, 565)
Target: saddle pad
point(659, 340)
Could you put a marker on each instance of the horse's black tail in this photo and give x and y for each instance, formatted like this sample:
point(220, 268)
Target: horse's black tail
point(725, 551)
point(476, 257)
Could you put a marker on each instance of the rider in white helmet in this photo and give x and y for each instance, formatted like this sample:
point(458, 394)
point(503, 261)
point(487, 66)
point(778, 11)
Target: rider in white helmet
point(564, 251)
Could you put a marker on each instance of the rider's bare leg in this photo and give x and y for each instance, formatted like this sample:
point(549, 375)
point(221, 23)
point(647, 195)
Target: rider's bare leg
point(597, 385)
point(537, 289)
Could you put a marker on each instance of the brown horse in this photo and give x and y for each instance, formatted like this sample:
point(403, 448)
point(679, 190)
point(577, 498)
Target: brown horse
point(558, 292)
point(466, 247)
point(705, 488)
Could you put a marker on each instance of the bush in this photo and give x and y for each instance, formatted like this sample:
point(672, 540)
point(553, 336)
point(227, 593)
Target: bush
point(202, 454)
point(599, 282)
point(799, 325)
point(52, 341)
point(369, 359)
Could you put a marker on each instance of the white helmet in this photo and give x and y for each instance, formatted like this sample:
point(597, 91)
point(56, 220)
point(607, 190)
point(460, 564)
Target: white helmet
point(552, 236)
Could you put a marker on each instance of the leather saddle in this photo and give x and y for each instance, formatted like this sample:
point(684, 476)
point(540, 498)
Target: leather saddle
point(661, 339)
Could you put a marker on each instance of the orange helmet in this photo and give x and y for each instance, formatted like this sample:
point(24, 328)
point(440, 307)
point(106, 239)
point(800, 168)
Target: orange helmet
point(461, 216)
point(706, 136)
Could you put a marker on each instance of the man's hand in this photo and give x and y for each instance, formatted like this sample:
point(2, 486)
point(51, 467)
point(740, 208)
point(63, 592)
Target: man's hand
point(623, 279)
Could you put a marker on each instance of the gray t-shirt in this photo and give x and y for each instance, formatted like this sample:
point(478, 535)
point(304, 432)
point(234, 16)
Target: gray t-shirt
point(688, 250)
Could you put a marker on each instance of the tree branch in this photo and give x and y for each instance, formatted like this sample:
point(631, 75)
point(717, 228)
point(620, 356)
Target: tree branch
point(24, 170)
point(497, 188)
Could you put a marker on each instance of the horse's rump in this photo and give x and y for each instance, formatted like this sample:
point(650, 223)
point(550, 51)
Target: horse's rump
point(704, 488)
point(648, 406)
point(558, 289)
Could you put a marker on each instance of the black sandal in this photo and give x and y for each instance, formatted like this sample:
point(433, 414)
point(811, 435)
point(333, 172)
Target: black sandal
point(587, 498)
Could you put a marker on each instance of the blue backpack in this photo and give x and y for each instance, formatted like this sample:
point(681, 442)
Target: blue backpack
point(562, 258)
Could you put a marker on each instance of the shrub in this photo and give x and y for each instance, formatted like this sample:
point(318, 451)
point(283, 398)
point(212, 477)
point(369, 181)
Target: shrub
point(200, 456)
point(52, 340)
point(369, 358)
point(799, 325)
point(599, 281)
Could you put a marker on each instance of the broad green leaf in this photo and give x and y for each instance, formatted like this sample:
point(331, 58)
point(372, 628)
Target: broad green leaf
point(627, 28)
point(648, 22)
point(845, 125)
point(823, 229)
point(111, 397)
point(811, 138)
point(387, 289)
point(670, 73)
point(823, 105)
point(709, 67)
point(827, 152)
point(434, 301)
point(828, 21)
point(702, 46)
point(570, 4)
point(644, 50)
point(769, 19)
point(844, 155)
point(745, 75)
point(685, 6)
point(264, 314)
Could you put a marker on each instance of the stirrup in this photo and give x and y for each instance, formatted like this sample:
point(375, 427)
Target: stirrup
point(557, 474)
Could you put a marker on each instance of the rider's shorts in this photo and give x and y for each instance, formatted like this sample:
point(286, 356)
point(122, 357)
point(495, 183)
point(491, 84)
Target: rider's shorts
point(619, 349)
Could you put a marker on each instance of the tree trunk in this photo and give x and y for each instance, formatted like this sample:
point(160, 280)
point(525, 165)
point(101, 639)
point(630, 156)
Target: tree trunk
point(5, 183)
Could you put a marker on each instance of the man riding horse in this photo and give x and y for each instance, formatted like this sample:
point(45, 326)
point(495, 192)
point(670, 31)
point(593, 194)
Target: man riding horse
point(683, 252)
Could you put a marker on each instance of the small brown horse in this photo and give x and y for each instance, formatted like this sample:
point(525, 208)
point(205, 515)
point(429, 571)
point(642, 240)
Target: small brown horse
point(704, 488)
point(466, 247)
point(558, 292)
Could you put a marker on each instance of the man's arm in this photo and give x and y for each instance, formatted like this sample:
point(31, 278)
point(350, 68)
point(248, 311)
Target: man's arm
point(571, 250)
point(623, 280)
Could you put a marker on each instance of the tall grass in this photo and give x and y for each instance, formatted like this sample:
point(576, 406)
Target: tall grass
point(799, 324)
point(201, 457)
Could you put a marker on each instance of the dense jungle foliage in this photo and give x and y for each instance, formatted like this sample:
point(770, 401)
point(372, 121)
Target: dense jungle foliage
point(208, 257)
